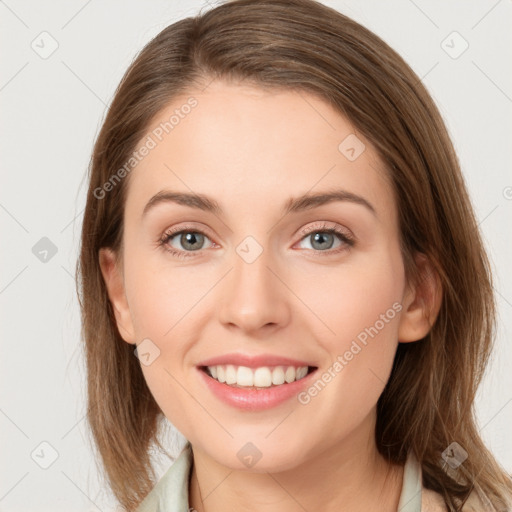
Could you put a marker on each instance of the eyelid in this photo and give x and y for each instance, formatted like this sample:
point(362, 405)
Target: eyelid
point(325, 225)
point(341, 233)
point(187, 227)
point(344, 235)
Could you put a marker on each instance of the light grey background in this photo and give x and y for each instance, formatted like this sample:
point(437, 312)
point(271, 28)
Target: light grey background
point(52, 109)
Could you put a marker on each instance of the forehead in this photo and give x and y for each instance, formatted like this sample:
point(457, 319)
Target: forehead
point(253, 148)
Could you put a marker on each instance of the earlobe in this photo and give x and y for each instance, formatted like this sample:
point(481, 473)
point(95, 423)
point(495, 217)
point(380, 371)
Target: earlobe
point(114, 282)
point(421, 303)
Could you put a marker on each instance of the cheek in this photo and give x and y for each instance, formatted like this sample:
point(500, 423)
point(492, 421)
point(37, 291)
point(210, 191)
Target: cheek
point(166, 308)
point(347, 300)
point(161, 299)
point(171, 307)
point(359, 307)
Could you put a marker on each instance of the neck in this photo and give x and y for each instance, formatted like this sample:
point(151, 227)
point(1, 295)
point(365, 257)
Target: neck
point(350, 477)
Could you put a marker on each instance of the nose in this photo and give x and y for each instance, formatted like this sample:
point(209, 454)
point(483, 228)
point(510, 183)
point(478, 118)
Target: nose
point(253, 296)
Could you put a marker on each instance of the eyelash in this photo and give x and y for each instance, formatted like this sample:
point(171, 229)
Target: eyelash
point(171, 233)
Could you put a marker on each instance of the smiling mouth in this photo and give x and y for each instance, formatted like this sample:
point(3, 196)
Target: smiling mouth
point(262, 377)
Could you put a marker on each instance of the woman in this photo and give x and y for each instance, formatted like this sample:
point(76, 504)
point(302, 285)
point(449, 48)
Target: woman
point(303, 377)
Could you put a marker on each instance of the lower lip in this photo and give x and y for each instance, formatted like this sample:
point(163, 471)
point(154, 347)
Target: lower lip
point(255, 399)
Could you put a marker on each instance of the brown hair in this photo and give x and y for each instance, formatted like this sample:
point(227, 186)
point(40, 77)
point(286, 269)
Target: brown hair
point(303, 45)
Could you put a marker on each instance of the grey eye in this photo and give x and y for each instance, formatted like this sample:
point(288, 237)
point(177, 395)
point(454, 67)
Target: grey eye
point(189, 240)
point(321, 240)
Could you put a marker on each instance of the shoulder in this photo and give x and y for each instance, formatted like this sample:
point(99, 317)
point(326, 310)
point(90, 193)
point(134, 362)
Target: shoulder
point(432, 501)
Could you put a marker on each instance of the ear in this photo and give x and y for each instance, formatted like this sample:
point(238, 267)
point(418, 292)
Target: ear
point(421, 302)
point(114, 281)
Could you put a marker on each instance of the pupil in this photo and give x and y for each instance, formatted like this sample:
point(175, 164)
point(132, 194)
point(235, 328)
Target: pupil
point(190, 239)
point(320, 237)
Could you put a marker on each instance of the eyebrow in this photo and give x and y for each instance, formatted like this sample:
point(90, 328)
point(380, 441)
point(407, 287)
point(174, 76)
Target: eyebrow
point(298, 204)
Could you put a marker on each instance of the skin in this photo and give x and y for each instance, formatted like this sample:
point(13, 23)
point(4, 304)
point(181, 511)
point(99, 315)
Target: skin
point(251, 150)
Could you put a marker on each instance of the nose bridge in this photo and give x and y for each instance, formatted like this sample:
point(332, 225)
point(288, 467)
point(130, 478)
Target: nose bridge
point(253, 296)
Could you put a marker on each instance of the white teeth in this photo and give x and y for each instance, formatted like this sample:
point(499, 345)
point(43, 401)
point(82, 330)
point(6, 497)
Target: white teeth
point(244, 376)
point(230, 374)
point(301, 372)
point(289, 374)
point(278, 375)
point(262, 377)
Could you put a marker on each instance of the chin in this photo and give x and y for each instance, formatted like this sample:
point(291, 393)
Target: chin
point(256, 454)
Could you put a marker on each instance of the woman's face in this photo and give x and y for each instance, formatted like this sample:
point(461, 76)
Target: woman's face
point(250, 278)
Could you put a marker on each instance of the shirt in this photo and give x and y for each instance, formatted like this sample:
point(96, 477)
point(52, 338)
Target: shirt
point(170, 494)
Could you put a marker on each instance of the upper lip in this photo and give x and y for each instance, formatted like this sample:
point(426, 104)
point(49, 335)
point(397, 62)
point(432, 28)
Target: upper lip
point(253, 361)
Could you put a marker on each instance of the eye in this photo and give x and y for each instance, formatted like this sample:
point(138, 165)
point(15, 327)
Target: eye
point(180, 242)
point(323, 237)
point(184, 242)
